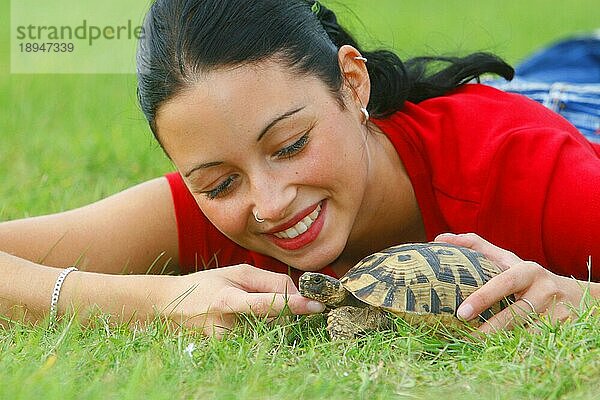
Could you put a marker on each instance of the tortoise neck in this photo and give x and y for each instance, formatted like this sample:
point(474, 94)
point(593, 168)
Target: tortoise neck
point(350, 300)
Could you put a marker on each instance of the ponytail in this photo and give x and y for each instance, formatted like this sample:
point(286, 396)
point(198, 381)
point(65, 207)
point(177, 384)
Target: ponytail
point(393, 82)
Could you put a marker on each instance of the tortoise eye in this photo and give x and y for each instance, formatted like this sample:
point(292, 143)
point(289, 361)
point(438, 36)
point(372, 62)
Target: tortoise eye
point(318, 279)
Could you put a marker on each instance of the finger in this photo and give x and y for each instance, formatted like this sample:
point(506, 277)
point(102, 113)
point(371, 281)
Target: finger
point(269, 304)
point(556, 312)
point(218, 328)
point(300, 305)
point(211, 323)
point(503, 258)
point(515, 280)
point(517, 314)
point(559, 311)
point(257, 280)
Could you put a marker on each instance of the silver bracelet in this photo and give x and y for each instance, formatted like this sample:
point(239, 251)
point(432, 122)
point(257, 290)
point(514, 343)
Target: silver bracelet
point(56, 292)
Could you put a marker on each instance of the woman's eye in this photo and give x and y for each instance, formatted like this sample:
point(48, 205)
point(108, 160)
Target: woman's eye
point(221, 189)
point(294, 148)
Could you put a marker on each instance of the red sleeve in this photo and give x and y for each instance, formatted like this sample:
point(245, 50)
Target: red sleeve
point(572, 211)
point(202, 246)
point(542, 200)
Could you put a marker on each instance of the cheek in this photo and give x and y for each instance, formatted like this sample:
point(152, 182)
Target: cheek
point(337, 159)
point(227, 216)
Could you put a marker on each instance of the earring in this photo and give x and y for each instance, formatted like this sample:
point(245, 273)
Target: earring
point(365, 113)
point(360, 58)
point(257, 218)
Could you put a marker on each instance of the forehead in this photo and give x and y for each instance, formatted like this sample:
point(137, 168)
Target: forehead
point(241, 99)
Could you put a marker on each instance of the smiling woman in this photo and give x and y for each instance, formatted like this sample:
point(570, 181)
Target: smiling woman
point(296, 150)
point(284, 165)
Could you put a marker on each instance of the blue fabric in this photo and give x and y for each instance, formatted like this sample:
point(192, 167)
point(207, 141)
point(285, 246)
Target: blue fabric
point(575, 60)
point(564, 77)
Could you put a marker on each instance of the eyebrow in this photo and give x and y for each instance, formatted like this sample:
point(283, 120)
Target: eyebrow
point(276, 120)
point(202, 166)
point(263, 132)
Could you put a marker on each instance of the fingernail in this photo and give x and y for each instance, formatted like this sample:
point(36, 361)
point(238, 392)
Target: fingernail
point(465, 312)
point(444, 235)
point(315, 307)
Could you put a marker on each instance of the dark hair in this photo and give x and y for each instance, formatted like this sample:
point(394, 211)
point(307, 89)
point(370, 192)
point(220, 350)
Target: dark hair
point(183, 38)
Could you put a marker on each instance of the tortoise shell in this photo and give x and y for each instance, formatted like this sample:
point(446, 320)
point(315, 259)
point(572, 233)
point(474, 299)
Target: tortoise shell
point(422, 280)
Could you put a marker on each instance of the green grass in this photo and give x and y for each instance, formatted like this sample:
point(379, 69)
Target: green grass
point(67, 140)
point(295, 360)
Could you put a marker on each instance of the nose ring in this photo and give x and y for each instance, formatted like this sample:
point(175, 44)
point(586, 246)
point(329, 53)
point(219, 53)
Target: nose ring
point(257, 218)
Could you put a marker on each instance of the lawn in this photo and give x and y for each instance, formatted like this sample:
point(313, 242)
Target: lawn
point(68, 140)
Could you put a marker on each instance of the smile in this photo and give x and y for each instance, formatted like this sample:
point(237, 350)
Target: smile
point(300, 227)
point(303, 232)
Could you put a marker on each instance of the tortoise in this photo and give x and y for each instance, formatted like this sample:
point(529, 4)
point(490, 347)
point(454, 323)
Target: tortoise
point(424, 283)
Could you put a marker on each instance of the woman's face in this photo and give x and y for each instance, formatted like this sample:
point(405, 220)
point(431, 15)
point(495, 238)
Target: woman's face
point(258, 139)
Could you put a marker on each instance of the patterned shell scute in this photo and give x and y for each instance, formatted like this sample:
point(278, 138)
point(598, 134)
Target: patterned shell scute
point(419, 278)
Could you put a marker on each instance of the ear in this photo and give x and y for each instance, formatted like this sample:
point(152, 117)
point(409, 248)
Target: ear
point(356, 76)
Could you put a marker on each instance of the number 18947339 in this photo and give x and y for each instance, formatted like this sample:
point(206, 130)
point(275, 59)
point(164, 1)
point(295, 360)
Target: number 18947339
point(47, 47)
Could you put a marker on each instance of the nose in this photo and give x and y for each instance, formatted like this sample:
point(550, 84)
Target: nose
point(272, 197)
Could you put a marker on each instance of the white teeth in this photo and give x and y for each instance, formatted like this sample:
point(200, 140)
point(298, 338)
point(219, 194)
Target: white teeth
point(291, 232)
point(313, 215)
point(301, 226)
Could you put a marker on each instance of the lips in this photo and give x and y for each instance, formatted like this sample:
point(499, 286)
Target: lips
point(301, 227)
point(300, 231)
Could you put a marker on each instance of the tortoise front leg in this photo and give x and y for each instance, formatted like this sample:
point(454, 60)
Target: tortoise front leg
point(347, 322)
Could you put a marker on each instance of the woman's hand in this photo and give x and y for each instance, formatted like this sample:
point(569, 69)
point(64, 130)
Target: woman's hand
point(213, 299)
point(536, 289)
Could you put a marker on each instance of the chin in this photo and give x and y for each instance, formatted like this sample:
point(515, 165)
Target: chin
point(313, 262)
point(310, 268)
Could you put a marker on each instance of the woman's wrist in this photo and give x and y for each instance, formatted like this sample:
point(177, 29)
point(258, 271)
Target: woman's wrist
point(27, 290)
point(124, 297)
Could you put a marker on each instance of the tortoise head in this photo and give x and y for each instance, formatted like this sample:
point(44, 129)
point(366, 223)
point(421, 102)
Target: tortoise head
point(322, 288)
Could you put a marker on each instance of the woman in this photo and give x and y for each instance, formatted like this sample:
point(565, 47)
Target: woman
point(296, 151)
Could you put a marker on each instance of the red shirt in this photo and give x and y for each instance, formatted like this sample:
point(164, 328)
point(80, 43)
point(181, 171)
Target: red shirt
point(480, 160)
